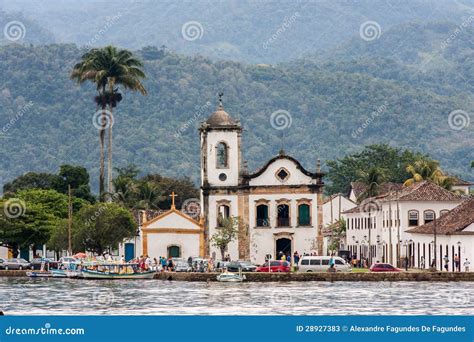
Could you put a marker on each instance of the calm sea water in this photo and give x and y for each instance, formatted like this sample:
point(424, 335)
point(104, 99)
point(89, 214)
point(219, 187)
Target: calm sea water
point(20, 296)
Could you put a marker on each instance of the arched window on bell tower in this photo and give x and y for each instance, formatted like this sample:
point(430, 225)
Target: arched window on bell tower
point(222, 158)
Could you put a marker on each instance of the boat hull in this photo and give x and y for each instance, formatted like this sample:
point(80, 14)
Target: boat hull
point(101, 275)
point(39, 274)
point(234, 278)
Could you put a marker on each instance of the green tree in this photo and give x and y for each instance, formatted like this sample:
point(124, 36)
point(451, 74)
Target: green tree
point(76, 176)
point(101, 227)
point(426, 169)
point(345, 170)
point(338, 235)
point(225, 234)
point(24, 224)
point(108, 68)
point(31, 180)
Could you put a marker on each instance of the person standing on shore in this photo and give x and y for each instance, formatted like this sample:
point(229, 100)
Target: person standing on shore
point(457, 263)
point(466, 265)
point(446, 262)
point(296, 258)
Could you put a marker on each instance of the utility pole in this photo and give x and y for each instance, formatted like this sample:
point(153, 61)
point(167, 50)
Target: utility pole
point(398, 230)
point(69, 221)
point(390, 254)
point(434, 241)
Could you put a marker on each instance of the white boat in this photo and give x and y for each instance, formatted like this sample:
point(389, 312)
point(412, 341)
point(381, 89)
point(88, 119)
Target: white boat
point(58, 273)
point(88, 274)
point(230, 277)
point(43, 274)
point(117, 271)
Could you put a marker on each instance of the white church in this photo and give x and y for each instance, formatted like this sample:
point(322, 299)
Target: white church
point(279, 207)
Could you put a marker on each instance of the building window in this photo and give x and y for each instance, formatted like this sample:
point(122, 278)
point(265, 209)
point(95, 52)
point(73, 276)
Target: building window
point(442, 212)
point(282, 174)
point(283, 216)
point(262, 215)
point(304, 217)
point(223, 213)
point(413, 218)
point(428, 216)
point(221, 155)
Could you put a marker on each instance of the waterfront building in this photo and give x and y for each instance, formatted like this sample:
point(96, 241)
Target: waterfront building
point(454, 236)
point(279, 206)
point(390, 216)
point(172, 234)
point(333, 207)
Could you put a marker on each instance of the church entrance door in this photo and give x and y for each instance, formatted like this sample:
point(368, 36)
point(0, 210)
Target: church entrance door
point(283, 245)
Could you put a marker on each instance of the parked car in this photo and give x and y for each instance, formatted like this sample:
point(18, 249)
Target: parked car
point(37, 262)
point(2, 263)
point(182, 266)
point(275, 266)
point(15, 264)
point(382, 267)
point(310, 263)
point(219, 265)
point(246, 266)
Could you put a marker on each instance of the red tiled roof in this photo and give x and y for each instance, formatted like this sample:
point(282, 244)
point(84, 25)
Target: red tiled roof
point(459, 181)
point(451, 223)
point(359, 187)
point(422, 191)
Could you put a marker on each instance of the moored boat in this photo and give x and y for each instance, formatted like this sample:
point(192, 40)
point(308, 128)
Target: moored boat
point(230, 277)
point(40, 274)
point(117, 271)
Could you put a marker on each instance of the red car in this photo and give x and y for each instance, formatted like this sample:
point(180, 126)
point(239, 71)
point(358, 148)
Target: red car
point(379, 267)
point(275, 266)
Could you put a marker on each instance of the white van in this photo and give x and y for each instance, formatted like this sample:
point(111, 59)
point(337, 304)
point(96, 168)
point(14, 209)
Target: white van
point(321, 264)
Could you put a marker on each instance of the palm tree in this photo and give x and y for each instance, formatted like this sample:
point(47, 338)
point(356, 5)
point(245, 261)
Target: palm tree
point(148, 196)
point(372, 179)
point(426, 169)
point(108, 68)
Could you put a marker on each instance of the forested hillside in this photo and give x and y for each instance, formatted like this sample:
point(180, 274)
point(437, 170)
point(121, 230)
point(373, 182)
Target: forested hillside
point(47, 119)
point(243, 30)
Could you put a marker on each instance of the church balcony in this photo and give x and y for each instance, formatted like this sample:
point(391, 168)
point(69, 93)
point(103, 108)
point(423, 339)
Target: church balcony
point(283, 222)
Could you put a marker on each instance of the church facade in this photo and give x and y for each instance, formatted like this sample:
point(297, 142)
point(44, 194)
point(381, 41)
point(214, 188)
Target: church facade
point(279, 207)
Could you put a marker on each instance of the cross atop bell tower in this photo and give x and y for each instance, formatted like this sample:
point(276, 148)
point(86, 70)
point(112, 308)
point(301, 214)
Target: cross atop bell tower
point(173, 195)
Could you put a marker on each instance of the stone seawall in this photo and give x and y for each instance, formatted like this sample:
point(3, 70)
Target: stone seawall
point(312, 276)
point(12, 273)
point(315, 276)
